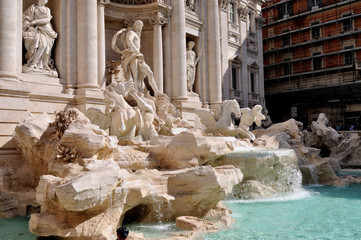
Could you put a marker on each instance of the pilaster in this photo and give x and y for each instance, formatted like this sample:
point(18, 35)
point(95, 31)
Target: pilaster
point(158, 20)
point(214, 54)
point(179, 65)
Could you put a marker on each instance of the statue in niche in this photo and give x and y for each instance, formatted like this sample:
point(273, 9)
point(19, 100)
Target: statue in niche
point(39, 37)
point(192, 61)
point(190, 4)
point(126, 42)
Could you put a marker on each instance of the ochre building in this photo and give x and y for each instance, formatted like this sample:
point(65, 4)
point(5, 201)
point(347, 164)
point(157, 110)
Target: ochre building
point(312, 55)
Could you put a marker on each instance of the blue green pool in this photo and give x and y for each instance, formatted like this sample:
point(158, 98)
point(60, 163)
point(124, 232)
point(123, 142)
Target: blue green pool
point(317, 212)
point(314, 212)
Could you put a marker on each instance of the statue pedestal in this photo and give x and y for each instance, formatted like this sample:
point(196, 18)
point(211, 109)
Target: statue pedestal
point(187, 105)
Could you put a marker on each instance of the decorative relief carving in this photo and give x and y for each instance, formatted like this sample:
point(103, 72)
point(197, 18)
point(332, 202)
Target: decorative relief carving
point(190, 5)
point(103, 2)
point(243, 13)
point(134, 2)
point(259, 21)
point(223, 4)
point(158, 19)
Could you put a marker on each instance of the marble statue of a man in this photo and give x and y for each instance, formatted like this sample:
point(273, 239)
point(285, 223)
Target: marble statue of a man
point(127, 43)
point(39, 37)
point(192, 61)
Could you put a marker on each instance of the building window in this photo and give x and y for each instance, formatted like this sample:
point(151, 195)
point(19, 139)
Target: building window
point(286, 38)
point(232, 16)
point(284, 10)
point(234, 78)
point(253, 82)
point(347, 25)
point(316, 31)
point(314, 4)
point(287, 67)
point(348, 58)
point(317, 61)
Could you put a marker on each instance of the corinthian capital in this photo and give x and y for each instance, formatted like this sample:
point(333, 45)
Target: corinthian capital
point(243, 13)
point(259, 21)
point(223, 4)
point(158, 19)
point(103, 2)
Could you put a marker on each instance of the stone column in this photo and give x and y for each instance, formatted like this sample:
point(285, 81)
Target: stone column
point(225, 68)
point(214, 54)
point(101, 42)
point(157, 21)
point(8, 42)
point(179, 65)
point(259, 23)
point(243, 14)
point(87, 45)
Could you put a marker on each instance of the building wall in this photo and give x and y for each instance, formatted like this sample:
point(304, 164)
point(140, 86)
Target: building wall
point(309, 47)
point(85, 29)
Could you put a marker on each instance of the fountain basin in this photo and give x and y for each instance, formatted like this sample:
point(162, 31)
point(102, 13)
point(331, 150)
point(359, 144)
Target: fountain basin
point(266, 172)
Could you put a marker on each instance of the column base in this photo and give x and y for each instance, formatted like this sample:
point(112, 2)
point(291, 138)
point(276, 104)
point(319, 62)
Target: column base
point(187, 105)
point(89, 96)
point(9, 79)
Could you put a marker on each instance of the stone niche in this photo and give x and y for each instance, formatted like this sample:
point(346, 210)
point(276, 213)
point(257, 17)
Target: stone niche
point(123, 13)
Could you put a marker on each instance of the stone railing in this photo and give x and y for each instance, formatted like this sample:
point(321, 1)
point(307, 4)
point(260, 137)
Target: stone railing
point(136, 2)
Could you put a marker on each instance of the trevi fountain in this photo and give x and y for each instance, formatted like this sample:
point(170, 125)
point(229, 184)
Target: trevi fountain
point(139, 162)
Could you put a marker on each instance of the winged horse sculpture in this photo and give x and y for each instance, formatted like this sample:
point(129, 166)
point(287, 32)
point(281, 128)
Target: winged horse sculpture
point(221, 122)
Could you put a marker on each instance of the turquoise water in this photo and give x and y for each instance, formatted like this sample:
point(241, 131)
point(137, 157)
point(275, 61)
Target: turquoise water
point(15, 229)
point(318, 212)
point(315, 212)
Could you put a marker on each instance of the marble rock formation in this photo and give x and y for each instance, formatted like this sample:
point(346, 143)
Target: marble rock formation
point(194, 223)
point(348, 153)
point(323, 137)
point(289, 135)
point(191, 149)
point(275, 171)
point(88, 195)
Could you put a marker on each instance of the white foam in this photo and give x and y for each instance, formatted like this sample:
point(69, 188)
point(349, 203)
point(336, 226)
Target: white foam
point(160, 226)
point(298, 194)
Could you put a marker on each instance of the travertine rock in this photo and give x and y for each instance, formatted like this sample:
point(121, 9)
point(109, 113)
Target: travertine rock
point(323, 136)
point(289, 135)
point(253, 189)
point(89, 190)
point(89, 140)
point(276, 169)
point(197, 190)
point(37, 142)
point(194, 223)
point(189, 149)
point(348, 153)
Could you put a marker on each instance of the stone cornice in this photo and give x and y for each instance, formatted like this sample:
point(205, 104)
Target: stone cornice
point(132, 12)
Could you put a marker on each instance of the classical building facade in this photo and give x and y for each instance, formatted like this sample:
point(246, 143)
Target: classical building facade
point(312, 51)
point(74, 63)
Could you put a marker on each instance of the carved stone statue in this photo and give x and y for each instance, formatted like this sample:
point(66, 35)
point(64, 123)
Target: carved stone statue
point(192, 61)
point(221, 122)
point(248, 117)
point(189, 4)
point(127, 43)
point(39, 37)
